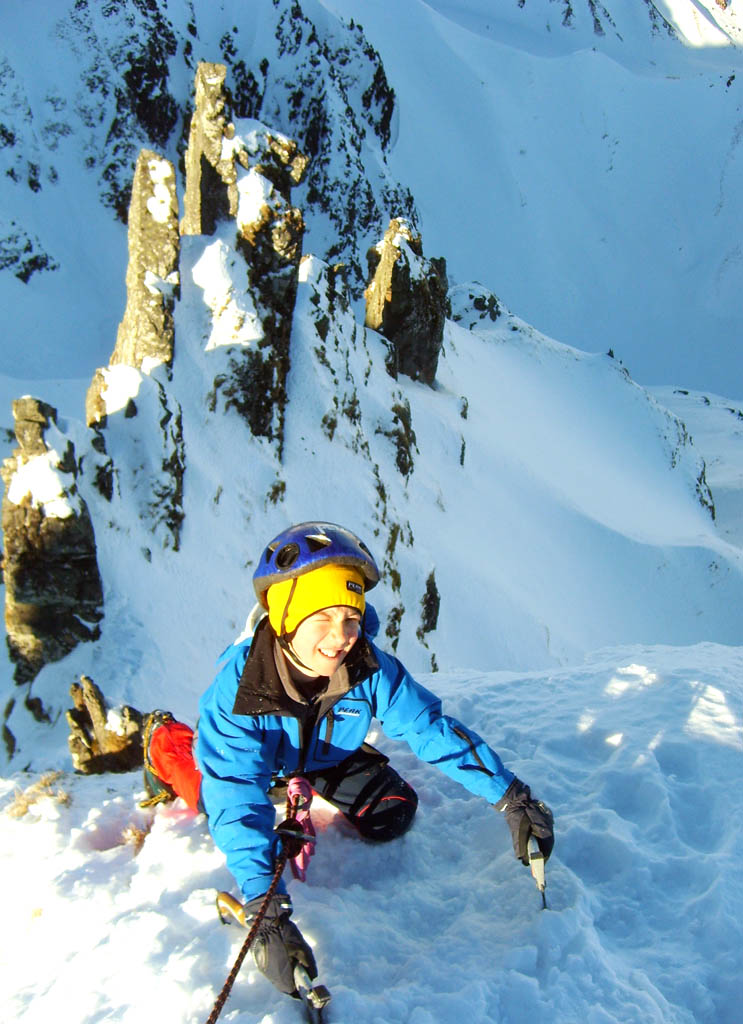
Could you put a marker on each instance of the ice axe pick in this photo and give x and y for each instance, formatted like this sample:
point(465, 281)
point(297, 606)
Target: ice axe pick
point(536, 863)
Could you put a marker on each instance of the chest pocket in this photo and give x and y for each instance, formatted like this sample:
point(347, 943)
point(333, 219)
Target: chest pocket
point(341, 732)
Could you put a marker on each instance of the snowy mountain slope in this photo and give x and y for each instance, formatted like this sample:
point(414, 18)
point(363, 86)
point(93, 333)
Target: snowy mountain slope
point(588, 179)
point(716, 426)
point(99, 82)
point(558, 507)
point(534, 505)
point(587, 176)
point(561, 26)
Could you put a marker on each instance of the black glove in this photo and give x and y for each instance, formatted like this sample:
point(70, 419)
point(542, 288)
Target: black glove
point(526, 817)
point(279, 945)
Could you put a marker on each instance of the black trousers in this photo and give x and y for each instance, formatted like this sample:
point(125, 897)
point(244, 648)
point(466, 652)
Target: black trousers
point(368, 792)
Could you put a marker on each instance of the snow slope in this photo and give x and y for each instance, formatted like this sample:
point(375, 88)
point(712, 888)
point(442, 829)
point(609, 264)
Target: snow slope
point(558, 505)
point(590, 486)
point(587, 178)
point(636, 750)
point(716, 426)
point(589, 625)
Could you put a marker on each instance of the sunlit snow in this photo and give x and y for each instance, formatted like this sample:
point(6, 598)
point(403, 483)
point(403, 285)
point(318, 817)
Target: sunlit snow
point(590, 623)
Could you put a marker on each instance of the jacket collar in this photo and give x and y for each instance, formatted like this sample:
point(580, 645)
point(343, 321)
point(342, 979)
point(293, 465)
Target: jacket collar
point(261, 690)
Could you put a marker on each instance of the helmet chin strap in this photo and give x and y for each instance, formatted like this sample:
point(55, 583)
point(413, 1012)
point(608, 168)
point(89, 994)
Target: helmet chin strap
point(286, 646)
point(284, 639)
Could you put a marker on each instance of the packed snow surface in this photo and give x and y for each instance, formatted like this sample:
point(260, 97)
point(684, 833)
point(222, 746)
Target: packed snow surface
point(638, 751)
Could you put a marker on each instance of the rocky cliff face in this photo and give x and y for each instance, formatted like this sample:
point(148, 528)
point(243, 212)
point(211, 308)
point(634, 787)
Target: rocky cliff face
point(227, 277)
point(53, 590)
point(129, 386)
point(145, 335)
point(242, 177)
point(406, 302)
point(238, 186)
point(311, 79)
point(211, 176)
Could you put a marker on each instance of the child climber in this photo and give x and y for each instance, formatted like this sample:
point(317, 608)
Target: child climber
point(297, 699)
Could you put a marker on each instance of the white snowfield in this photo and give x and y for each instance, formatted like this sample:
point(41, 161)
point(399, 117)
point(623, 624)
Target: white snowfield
point(638, 751)
point(590, 606)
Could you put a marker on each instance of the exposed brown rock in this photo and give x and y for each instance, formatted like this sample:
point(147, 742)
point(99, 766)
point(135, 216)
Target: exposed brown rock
point(53, 591)
point(145, 335)
point(95, 405)
point(248, 181)
point(211, 190)
point(406, 302)
point(212, 163)
point(146, 332)
point(100, 741)
point(32, 417)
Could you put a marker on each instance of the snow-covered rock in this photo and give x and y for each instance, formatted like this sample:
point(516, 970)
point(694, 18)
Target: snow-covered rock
point(53, 591)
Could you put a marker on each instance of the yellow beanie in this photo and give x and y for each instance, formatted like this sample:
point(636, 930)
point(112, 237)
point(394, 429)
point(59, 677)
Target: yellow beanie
point(291, 601)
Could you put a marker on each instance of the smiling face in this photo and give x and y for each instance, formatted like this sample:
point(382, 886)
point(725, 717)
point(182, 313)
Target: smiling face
point(323, 639)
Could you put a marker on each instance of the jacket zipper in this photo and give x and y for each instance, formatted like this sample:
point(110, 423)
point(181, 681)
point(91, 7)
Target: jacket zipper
point(329, 719)
point(308, 727)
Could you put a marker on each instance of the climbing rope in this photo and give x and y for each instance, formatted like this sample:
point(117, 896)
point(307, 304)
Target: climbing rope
point(290, 832)
point(232, 976)
point(165, 793)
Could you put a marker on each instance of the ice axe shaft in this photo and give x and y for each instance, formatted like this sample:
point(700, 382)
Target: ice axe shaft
point(536, 863)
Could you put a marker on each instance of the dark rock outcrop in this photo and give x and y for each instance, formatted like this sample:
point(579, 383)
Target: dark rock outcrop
point(337, 100)
point(53, 591)
point(212, 161)
point(406, 302)
point(211, 189)
point(102, 739)
point(145, 337)
point(145, 334)
point(473, 306)
point(145, 341)
point(24, 253)
point(270, 239)
point(247, 178)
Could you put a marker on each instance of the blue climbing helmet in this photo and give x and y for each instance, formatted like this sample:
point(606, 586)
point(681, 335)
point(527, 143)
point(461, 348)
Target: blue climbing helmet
point(308, 546)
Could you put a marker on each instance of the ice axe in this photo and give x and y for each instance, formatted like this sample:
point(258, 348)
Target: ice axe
point(315, 998)
point(536, 863)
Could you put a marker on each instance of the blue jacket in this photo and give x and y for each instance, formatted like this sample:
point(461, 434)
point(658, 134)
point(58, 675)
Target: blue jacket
point(251, 730)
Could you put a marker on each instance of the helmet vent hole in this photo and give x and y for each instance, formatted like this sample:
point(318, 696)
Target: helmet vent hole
point(287, 556)
point(316, 542)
